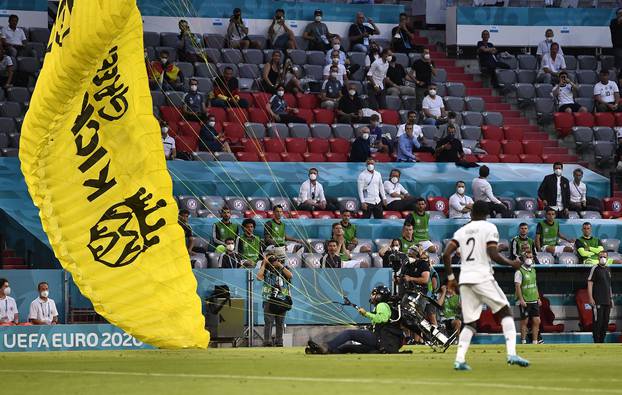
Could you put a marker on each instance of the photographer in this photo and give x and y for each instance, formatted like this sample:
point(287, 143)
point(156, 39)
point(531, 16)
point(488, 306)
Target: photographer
point(384, 337)
point(415, 274)
point(392, 255)
point(237, 32)
point(276, 296)
point(565, 93)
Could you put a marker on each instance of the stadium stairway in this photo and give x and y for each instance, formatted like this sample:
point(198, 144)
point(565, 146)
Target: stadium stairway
point(10, 260)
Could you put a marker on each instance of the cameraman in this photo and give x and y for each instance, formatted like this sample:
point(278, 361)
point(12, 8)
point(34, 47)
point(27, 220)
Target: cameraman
point(384, 337)
point(392, 255)
point(276, 295)
point(415, 274)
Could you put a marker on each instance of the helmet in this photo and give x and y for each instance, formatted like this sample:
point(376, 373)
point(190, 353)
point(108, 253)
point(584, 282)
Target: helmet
point(384, 294)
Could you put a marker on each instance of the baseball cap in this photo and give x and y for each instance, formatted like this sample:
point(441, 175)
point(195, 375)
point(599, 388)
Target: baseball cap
point(317, 12)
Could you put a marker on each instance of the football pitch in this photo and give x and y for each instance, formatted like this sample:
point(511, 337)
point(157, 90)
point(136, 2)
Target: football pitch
point(556, 369)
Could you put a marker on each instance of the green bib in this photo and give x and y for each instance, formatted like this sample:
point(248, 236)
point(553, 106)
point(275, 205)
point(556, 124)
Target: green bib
point(226, 231)
point(529, 286)
point(349, 232)
point(451, 307)
point(250, 248)
point(276, 232)
point(407, 245)
point(420, 224)
point(550, 233)
point(520, 243)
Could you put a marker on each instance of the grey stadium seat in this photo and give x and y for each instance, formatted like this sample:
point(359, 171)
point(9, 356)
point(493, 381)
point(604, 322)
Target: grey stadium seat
point(190, 203)
point(471, 132)
point(612, 245)
point(505, 78)
point(158, 98)
point(343, 130)
point(299, 130)
point(39, 35)
point(571, 62)
point(294, 261)
point(213, 260)
point(279, 130)
point(213, 55)
point(205, 70)
point(317, 58)
point(526, 203)
point(312, 261)
point(607, 62)
point(317, 245)
point(10, 152)
point(213, 40)
point(588, 103)
point(248, 70)
point(590, 215)
point(393, 103)
point(236, 203)
point(587, 77)
point(14, 140)
point(298, 56)
point(568, 258)
point(604, 133)
point(172, 52)
point(509, 202)
point(525, 93)
point(474, 103)
point(168, 39)
point(231, 55)
point(524, 214)
point(430, 132)
point(314, 72)
point(583, 136)
point(573, 215)
point(455, 104)
point(440, 77)
point(252, 56)
point(348, 203)
point(401, 58)
point(175, 98)
point(187, 69)
point(255, 130)
point(284, 202)
point(456, 89)
point(604, 151)
point(527, 62)
point(260, 39)
point(4, 140)
point(222, 66)
point(544, 90)
point(587, 62)
point(472, 118)
point(544, 107)
point(391, 129)
point(544, 258)
point(380, 243)
point(364, 258)
point(526, 76)
point(213, 203)
point(586, 90)
point(493, 118)
point(321, 130)
point(510, 61)
point(7, 125)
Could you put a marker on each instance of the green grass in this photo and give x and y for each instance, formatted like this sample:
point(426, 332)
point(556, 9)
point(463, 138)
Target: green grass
point(556, 369)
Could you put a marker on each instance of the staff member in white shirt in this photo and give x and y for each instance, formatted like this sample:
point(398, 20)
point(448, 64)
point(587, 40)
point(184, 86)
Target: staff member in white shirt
point(578, 194)
point(169, 143)
point(43, 309)
point(544, 46)
point(460, 204)
point(371, 191)
point(376, 76)
point(8, 308)
point(12, 37)
point(398, 198)
point(552, 64)
point(482, 190)
point(311, 194)
point(606, 94)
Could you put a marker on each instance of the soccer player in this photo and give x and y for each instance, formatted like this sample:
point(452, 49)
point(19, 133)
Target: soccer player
point(477, 242)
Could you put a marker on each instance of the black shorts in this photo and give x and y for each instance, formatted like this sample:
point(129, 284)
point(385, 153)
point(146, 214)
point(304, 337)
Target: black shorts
point(573, 106)
point(532, 310)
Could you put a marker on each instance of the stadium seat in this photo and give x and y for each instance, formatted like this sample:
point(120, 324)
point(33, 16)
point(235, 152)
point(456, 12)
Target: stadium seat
point(348, 203)
point(312, 261)
point(488, 323)
point(324, 116)
point(544, 258)
point(583, 119)
point(564, 123)
point(515, 133)
point(318, 145)
point(336, 157)
point(284, 202)
point(261, 99)
point(604, 133)
point(321, 131)
point(213, 203)
point(308, 101)
point(247, 156)
point(534, 147)
point(492, 147)
point(488, 158)
point(381, 157)
point(299, 130)
point(255, 130)
point(493, 132)
point(323, 214)
point(274, 145)
point(585, 312)
point(296, 145)
point(391, 215)
point(339, 146)
point(233, 131)
point(613, 204)
point(547, 317)
point(512, 147)
point(438, 203)
point(252, 145)
point(190, 203)
point(270, 157)
point(258, 115)
point(568, 258)
point(313, 157)
point(390, 117)
point(604, 119)
point(611, 245)
point(291, 157)
point(583, 137)
point(255, 214)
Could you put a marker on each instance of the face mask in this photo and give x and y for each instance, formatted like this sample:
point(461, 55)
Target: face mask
point(432, 92)
point(389, 58)
point(164, 60)
point(528, 262)
point(45, 294)
point(7, 291)
point(211, 124)
point(549, 39)
point(318, 18)
point(395, 248)
point(602, 261)
point(336, 47)
point(335, 60)
point(558, 172)
point(334, 74)
point(365, 136)
point(312, 176)
point(194, 88)
point(352, 92)
point(461, 191)
point(394, 180)
point(426, 56)
point(165, 129)
point(370, 167)
point(230, 247)
point(280, 93)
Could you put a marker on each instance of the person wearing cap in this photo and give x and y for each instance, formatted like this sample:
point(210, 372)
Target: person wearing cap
point(317, 34)
point(237, 32)
point(275, 292)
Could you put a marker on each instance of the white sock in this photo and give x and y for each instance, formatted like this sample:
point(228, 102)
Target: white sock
point(509, 331)
point(463, 343)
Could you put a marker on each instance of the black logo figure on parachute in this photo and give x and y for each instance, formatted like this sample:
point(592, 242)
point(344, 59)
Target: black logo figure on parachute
point(121, 234)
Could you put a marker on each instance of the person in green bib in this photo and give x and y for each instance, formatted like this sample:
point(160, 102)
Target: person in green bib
point(548, 235)
point(420, 220)
point(338, 235)
point(249, 245)
point(224, 229)
point(587, 246)
point(407, 240)
point(522, 242)
point(528, 297)
point(274, 230)
point(449, 300)
point(349, 232)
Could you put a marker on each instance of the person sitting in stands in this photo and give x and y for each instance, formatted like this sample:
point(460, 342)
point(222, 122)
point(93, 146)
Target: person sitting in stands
point(279, 110)
point(166, 74)
point(226, 91)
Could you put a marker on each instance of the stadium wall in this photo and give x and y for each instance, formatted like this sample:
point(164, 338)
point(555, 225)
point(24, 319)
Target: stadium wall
point(32, 13)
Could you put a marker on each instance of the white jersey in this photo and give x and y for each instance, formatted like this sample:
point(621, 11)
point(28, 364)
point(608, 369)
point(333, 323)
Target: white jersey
point(473, 239)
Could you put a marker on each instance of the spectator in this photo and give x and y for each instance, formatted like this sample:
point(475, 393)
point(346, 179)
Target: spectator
point(273, 73)
point(378, 140)
point(274, 230)
point(424, 70)
point(349, 232)
point(350, 108)
point(587, 246)
point(482, 190)
point(276, 279)
point(210, 139)
point(317, 34)
point(600, 297)
point(168, 142)
point(342, 76)
point(7, 69)
point(373, 54)
point(402, 37)
point(248, 245)
point(183, 222)
point(398, 80)
point(359, 33)
point(578, 194)
point(280, 36)
point(43, 309)
point(393, 257)
point(564, 93)
point(545, 45)
point(336, 46)
point(311, 195)
point(12, 37)
point(554, 191)
point(433, 108)
point(420, 220)
point(377, 78)
point(522, 243)
point(606, 94)
point(615, 26)
point(361, 148)
point(237, 32)
point(331, 258)
point(279, 110)
point(460, 205)
point(548, 235)
point(195, 104)
point(371, 191)
point(526, 287)
point(224, 229)
point(449, 300)
point(487, 54)
point(406, 144)
point(189, 48)
point(552, 64)
point(331, 89)
point(407, 241)
point(398, 198)
point(167, 75)
point(8, 308)
point(417, 132)
point(232, 259)
point(449, 148)
point(344, 249)
point(227, 90)
point(618, 158)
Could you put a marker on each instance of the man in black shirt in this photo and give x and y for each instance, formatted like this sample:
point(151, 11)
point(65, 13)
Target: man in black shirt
point(350, 108)
point(359, 33)
point(231, 259)
point(599, 292)
point(397, 77)
point(414, 276)
point(226, 91)
point(331, 259)
point(401, 40)
point(424, 70)
point(616, 37)
point(183, 222)
point(449, 149)
point(487, 54)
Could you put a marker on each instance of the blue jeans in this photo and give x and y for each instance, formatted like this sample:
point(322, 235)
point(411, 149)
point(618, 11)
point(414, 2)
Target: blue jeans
point(359, 48)
point(366, 338)
point(429, 121)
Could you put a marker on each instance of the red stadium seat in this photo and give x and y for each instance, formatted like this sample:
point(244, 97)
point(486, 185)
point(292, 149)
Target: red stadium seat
point(509, 158)
point(487, 323)
point(303, 214)
point(270, 157)
point(585, 312)
point(218, 113)
point(390, 117)
point(170, 114)
point(317, 145)
point(380, 157)
point(515, 133)
point(618, 117)
point(488, 158)
point(563, 123)
point(613, 204)
point(186, 143)
point(291, 157)
point(296, 145)
point(533, 147)
point(188, 128)
point(338, 145)
point(291, 101)
point(391, 215)
point(274, 145)
point(247, 156)
point(492, 132)
point(237, 115)
point(547, 317)
point(261, 99)
point(492, 147)
point(583, 119)
point(511, 147)
point(605, 119)
point(307, 101)
point(323, 115)
point(323, 214)
point(252, 145)
point(313, 157)
point(530, 158)
point(470, 158)
point(438, 203)
point(425, 157)
point(336, 157)
point(255, 214)
point(248, 96)
point(610, 215)
point(233, 131)
point(307, 115)
point(552, 158)
point(258, 115)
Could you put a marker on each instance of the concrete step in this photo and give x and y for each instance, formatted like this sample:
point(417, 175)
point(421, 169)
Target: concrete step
point(14, 267)
point(12, 261)
point(8, 253)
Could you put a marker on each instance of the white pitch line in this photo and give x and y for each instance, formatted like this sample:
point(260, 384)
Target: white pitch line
point(315, 380)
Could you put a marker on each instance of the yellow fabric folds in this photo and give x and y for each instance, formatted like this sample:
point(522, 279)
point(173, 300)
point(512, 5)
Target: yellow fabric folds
point(93, 159)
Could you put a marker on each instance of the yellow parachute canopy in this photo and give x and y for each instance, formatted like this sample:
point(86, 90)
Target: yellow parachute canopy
point(93, 159)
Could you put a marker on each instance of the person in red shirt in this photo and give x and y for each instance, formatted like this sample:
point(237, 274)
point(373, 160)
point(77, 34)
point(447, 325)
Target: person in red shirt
point(226, 91)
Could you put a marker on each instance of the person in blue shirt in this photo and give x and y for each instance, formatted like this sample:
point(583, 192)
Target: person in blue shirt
point(379, 141)
point(406, 144)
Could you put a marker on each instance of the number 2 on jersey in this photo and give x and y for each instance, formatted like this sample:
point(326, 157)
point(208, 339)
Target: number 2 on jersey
point(471, 241)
